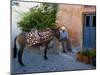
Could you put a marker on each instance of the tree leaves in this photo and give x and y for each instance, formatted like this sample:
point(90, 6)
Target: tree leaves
point(40, 17)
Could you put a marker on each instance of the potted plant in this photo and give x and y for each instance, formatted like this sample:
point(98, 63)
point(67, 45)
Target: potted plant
point(86, 57)
point(79, 56)
point(93, 57)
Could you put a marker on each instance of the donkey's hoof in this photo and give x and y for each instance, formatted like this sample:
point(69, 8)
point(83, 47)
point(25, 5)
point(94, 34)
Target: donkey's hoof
point(22, 64)
point(45, 58)
point(14, 56)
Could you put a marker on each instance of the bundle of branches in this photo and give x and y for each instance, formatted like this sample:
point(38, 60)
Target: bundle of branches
point(40, 17)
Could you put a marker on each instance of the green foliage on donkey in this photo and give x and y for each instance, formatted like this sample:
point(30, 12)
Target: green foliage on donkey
point(40, 17)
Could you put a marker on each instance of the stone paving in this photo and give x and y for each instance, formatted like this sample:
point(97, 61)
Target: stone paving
point(35, 63)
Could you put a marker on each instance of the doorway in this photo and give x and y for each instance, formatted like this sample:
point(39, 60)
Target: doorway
point(89, 31)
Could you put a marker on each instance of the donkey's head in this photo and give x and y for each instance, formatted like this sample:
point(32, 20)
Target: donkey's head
point(56, 33)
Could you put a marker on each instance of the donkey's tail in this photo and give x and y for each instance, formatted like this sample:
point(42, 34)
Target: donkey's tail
point(15, 48)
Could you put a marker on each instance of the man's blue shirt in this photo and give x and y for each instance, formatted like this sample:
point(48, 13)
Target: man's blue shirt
point(63, 34)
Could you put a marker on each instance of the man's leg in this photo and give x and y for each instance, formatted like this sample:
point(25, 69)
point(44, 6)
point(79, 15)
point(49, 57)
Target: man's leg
point(63, 45)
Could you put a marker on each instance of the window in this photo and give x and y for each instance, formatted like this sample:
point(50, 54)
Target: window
point(94, 21)
point(87, 20)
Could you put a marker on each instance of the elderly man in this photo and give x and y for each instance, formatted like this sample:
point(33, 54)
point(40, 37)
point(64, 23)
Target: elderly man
point(64, 38)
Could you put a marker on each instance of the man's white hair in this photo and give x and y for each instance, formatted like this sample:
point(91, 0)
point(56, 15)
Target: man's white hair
point(63, 28)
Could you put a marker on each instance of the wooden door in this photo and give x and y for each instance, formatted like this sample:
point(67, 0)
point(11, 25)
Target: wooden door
point(89, 32)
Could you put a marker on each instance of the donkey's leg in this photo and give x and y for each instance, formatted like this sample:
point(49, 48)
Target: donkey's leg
point(22, 43)
point(45, 52)
point(20, 53)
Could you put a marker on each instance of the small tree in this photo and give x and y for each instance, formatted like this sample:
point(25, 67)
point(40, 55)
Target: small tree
point(40, 17)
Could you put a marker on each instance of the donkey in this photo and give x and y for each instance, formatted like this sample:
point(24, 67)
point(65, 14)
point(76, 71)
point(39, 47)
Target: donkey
point(22, 39)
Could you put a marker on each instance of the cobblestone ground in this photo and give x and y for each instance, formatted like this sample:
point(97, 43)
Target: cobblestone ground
point(56, 62)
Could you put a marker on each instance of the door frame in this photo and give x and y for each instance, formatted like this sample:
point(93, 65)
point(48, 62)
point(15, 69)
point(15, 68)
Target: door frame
point(83, 22)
